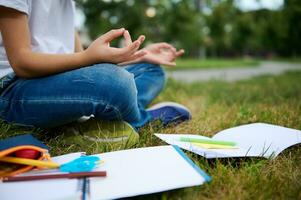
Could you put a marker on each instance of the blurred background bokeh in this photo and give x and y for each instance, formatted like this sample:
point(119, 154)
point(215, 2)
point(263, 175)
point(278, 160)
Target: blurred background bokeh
point(204, 28)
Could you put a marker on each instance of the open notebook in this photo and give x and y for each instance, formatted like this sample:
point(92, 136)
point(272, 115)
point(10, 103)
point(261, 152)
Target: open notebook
point(129, 173)
point(252, 140)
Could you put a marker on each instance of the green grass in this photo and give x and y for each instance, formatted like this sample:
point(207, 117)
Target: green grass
point(217, 106)
point(213, 63)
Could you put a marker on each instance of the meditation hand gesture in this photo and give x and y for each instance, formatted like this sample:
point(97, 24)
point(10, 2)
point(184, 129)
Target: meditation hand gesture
point(158, 53)
point(100, 51)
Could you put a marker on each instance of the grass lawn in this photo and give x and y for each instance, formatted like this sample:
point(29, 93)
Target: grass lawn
point(217, 106)
point(188, 63)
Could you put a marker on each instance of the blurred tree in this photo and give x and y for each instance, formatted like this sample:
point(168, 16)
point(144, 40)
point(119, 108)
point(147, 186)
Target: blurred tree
point(242, 33)
point(177, 21)
point(218, 25)
point(292, 27)
point(183, 27)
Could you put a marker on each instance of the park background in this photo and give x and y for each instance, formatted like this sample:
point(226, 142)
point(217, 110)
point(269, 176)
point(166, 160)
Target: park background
point(217, 35)
point(204, 28)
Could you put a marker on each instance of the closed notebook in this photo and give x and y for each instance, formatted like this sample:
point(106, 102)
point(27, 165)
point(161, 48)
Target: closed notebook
point(252, 140)
point(129, 173)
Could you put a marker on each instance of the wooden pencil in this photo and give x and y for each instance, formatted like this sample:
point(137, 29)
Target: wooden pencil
point(55, 176)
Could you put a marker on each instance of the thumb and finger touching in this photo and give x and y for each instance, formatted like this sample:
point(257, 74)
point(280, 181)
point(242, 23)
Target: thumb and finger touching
point(130, 52)
point(113, 34)
point(130, 48)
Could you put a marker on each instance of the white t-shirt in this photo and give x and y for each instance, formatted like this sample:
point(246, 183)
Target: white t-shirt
point(51, 24)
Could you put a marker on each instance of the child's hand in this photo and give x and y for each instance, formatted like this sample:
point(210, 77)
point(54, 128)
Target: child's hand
point(100, 51)
point(158, 53)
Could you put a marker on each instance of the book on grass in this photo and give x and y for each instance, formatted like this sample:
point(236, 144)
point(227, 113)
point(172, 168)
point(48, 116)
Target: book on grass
point(252, 140)
point(129, 173)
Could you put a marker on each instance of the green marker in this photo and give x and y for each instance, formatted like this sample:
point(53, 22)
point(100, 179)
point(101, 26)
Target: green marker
point(204, 141)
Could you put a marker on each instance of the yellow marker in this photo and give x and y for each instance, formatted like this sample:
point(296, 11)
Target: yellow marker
point(214, 146)
point(31, 162)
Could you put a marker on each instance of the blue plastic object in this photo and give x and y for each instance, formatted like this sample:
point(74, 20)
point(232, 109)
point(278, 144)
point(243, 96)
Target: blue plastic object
point(82, 164)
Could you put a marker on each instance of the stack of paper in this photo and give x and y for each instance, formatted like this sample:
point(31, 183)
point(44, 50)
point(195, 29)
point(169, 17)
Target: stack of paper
point(253, 140)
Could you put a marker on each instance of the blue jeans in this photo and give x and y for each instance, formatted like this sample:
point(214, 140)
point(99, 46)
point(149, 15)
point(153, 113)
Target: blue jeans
point(105, 90)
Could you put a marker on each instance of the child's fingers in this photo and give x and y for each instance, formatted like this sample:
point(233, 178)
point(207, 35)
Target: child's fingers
point(141, 38)
point(131, 49)
point(180, 52)
point(136, 57)
point(113, 34)
point(138, 54)
point(171, 64)
point(127, 37)
point(125, 53)
point(164, 45)
point(129, 62)
point(134, 47)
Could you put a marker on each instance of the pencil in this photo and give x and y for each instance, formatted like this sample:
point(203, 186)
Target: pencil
point(204, 141)
point(56, 176)
point(84, 189)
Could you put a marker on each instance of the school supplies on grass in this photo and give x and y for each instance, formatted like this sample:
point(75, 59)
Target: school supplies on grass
point(252, 140)
point(30, 162)
point(24, 152)
point(25, 146)
point(129, 173)
point(82, 164)
point(43, 189)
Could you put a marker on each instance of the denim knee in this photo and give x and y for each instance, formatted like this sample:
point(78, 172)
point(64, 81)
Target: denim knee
point(161, 73)
point(116, 87)
point(156, 69)
point(158, 72)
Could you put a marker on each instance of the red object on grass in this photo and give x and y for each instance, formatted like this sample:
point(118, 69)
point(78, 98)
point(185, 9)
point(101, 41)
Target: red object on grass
point(27, 153)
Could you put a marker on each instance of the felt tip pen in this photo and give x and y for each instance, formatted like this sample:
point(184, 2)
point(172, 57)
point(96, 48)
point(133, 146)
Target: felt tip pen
point(204, 141)
point(214, 146)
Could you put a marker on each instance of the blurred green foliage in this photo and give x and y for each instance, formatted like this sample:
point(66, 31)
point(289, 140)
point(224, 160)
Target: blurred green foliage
point(203, 27)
